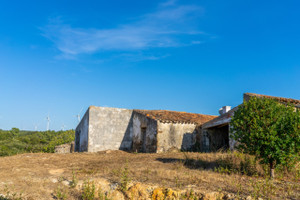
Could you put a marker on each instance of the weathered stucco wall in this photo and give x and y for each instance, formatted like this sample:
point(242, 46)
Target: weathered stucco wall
point(109, 128)
point(144, 134)
point(175, 135)
point(81, 133)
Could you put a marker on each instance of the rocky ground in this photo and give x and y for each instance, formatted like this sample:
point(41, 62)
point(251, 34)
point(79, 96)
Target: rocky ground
point(121, 175)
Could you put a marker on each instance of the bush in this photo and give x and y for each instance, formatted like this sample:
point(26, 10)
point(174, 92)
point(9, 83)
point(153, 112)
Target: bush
point(268, 130)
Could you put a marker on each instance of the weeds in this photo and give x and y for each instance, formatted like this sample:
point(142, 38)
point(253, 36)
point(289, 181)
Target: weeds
point(146, 174)
point(74, 180)
point(177, 182)
point(190, 195)
point(88, 190)
point(124, 179)
point(262, 188)
point(11, 195)
point(237, 162)
point(102, 195)
point(61, 194)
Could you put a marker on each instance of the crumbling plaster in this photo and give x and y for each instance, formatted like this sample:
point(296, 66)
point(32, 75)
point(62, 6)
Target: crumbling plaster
point(175, 135)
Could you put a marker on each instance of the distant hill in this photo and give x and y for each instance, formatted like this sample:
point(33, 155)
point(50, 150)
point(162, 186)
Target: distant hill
point(16, 141)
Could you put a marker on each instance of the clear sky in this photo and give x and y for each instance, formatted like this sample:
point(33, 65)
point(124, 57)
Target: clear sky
point(57, 57)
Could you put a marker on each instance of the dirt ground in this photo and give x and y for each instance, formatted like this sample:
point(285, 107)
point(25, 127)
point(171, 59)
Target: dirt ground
point(36, 176)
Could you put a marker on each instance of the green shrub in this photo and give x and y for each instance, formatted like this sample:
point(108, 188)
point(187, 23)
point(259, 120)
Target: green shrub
point(268, 130)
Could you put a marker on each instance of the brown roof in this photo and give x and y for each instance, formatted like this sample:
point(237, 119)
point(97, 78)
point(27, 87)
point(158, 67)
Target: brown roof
point(167, 116)
point(280, 99)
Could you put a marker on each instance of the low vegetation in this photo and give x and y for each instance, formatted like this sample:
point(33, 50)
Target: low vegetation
point(15, 141)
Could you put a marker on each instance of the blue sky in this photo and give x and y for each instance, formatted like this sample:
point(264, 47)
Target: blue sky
point(57, 57)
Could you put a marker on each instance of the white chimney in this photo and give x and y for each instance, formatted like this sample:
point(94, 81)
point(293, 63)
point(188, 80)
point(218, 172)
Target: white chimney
point(224, 109)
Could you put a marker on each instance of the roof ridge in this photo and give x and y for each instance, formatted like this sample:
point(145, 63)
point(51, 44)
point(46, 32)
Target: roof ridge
point(183, 112)
point(167, 116)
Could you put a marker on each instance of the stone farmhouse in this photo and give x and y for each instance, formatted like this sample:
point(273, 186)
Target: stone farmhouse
point(150, 131)
point(155, 131)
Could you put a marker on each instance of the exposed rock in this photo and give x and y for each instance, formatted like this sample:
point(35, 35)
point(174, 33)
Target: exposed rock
point(137, 192)
point(114, 186)
point(190, 194)
point(65, 182)
point(214, 196)
point(116, 195)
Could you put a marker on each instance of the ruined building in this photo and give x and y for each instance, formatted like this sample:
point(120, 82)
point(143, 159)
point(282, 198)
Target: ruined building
point(155, 131)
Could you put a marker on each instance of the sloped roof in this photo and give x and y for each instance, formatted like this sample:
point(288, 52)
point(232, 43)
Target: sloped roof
point(167, 116)
point(280, 99)
point(221, 119)
point(225, 118)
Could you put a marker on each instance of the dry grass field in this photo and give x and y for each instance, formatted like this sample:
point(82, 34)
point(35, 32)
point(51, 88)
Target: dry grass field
point(38, 176)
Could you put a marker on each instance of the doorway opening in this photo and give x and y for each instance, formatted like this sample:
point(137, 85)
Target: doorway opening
point(219, 137)
point(143, 139)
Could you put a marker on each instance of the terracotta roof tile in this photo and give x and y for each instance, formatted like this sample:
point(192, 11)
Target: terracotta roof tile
point(176, 117)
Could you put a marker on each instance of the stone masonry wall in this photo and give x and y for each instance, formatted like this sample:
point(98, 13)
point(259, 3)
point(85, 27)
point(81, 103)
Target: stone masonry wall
point(65, 148)
point(109, 128)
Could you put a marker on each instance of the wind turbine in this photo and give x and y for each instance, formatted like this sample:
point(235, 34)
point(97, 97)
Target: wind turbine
point(35, 127)
point(63, 127)
point(48, 122)
point(78, 115)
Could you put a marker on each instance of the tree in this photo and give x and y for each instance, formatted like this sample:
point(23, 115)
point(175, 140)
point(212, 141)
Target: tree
point(268, 130)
